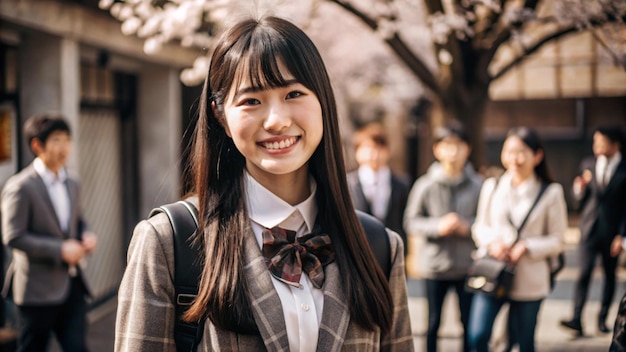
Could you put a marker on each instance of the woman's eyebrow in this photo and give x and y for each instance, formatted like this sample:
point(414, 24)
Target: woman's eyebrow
point(249, 89)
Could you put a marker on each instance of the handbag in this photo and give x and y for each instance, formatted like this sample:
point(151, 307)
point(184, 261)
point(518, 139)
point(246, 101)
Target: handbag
point(492, 276)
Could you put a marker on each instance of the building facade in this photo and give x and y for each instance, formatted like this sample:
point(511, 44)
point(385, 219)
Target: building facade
point(125, 109)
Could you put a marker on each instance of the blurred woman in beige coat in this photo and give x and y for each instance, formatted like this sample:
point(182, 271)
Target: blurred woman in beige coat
point(503, 204)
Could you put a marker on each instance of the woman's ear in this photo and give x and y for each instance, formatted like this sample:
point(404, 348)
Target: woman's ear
point(220, 117)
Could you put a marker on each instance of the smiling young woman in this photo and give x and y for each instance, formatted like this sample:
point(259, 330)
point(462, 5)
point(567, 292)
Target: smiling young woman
point(268, 169)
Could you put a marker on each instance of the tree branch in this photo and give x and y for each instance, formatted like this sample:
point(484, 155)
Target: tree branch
point(529, 50)
point(433, 6)
point(370, 22)
point(565, 30)
point(502, 36)
point(413, 62)
point(531, 4)
point(617, 59)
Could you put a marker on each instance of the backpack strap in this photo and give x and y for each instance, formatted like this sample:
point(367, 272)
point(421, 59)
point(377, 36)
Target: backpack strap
point(378, 239)
point(183, 217)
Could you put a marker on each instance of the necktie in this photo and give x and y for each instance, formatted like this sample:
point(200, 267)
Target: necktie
point(287, 256)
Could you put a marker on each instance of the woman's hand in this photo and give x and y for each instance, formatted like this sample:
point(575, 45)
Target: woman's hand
point(518, 250)
point(498, 250)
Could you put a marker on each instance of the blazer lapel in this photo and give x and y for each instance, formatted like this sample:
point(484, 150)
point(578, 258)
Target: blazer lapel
point(618, 175)
point(394, 197)
point(264, 301)
point(72, 189)
point(364, 203)
point(336, 315)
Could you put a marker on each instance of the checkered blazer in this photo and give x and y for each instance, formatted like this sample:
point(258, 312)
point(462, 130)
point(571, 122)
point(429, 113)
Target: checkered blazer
point(145, 315)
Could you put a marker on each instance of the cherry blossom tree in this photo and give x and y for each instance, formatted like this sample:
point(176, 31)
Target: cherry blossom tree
point(467, 34)
point(450, 46)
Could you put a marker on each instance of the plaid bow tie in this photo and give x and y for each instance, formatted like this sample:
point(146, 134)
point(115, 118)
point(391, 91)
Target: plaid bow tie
point(287, 256)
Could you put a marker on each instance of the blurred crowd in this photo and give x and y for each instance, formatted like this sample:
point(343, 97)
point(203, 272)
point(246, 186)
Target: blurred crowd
point(518, 216)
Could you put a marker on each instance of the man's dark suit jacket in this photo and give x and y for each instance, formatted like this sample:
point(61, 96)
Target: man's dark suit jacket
point(395, 208)
point(603, 210)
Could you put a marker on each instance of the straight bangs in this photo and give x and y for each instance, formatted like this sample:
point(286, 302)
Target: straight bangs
point(255, 59)
point(260, 65)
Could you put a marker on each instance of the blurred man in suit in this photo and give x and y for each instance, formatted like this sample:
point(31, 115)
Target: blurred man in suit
point(600, 190)
point(373, 187)
point(43, 225)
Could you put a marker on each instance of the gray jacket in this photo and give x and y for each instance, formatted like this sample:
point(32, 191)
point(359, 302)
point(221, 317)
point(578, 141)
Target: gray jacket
point(37, 275)
point(434, 195)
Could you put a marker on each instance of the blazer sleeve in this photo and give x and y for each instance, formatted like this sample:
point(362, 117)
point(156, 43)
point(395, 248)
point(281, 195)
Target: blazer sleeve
point(145, 312)
point(416, 220)
point(400, 338)
point(16, 212)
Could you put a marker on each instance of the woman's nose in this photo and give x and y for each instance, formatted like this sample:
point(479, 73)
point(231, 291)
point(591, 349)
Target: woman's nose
point(278, 118)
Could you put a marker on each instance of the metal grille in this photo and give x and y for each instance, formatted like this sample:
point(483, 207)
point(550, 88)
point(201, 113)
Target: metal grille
point(101, 196)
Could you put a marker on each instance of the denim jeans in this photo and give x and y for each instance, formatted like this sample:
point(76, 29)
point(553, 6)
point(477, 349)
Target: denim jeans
point(522, 321)
point(435, 293)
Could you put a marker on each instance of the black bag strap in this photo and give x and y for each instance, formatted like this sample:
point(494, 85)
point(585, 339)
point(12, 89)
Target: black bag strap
point(542, 189)
point(183, 217)
point(376, 234)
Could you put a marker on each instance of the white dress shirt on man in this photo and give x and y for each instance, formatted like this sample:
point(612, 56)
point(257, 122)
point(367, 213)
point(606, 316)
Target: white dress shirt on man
point(377, 189)
point(605, 168)
point(57, 189)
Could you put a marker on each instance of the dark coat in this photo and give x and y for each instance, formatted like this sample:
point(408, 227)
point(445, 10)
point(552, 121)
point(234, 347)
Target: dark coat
point(603, 210)
point(395, 208)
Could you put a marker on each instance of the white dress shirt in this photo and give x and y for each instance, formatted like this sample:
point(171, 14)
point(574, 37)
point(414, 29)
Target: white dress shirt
point(377, 189)
point(302, 306)
point(521, 198)
point(57, 190)
point(605, 168)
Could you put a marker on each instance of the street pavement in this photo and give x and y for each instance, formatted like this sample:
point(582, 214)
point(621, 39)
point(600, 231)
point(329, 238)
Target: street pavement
point(550, 337)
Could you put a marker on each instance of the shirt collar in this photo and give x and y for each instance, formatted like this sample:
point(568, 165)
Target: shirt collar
point(49, 177)
point(615, 159)
point(268, 210)
point(525, 187)
point(367, 175)
point(603, 162)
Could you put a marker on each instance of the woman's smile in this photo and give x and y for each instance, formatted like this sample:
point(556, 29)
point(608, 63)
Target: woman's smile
point(279, 144)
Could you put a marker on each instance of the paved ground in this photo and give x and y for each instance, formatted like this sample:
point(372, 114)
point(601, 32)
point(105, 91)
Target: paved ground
point(550, 337)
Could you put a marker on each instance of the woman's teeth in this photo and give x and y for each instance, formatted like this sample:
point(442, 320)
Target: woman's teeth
point(280, 145)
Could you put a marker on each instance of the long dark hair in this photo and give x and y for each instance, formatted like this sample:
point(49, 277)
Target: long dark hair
point(254, 48)
point(530, 137)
